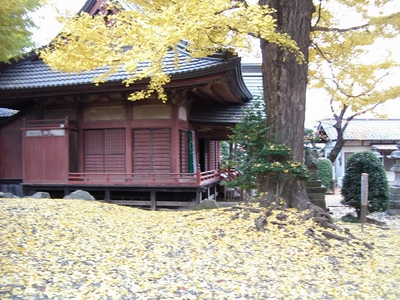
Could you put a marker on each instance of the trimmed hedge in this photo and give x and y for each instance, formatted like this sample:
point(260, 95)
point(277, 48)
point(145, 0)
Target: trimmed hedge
point(325, 172)
point(378, 188)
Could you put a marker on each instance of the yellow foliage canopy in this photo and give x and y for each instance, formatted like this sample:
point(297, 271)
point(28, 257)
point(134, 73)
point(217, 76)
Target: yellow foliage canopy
point(346, 59)
point(138, 39)
point(15, 26)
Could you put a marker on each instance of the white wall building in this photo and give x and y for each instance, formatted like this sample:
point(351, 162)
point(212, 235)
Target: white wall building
point(359, 136)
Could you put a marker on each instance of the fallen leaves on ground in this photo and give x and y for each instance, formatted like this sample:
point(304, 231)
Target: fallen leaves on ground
point(72, 249)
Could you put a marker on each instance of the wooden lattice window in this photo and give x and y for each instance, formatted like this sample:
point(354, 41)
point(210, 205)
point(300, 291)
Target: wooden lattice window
point(104, 150)
point(214, 155)
point(183, 151)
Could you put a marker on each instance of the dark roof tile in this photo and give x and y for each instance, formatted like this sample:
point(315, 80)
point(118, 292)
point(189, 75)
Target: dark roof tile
point(219, 115)
point(34, 73)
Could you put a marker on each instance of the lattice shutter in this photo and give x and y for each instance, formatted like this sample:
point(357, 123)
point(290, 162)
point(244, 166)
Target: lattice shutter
point(214, 155)
point(114, 150)
point(94, 151)
point(104, 150)
point(183, 151)
point(151, 151)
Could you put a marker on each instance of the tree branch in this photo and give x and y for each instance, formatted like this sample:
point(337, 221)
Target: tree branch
point(232, 7)
point(332, 109)
point(244, 2)
point(319, 14)
point(334, 29)
point(358, 95)
point(318, 49)
point(363, 112)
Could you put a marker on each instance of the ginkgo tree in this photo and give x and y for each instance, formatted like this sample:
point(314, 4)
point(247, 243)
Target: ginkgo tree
point(353, 62)
point(151, 29)
point(16, 27)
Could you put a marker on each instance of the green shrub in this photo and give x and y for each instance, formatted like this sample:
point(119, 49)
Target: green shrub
point(378, 189)
point(259, 157)
point(325, 172)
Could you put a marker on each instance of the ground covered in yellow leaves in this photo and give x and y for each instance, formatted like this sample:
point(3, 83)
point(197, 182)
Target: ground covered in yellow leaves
point(72, 249)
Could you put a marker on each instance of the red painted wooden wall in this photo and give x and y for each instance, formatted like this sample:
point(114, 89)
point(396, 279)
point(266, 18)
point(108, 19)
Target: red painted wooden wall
point(45, 159)
point(11, 150)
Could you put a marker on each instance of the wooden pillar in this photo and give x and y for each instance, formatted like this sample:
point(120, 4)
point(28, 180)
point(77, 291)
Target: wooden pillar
point(128, 138)
point(198, 196)
point(81, 147)
point(198, 176)
point(175, 140)
point(67, 191)
point(153, 200)
point(107, 193)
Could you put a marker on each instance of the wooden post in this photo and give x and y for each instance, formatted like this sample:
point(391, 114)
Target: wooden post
point(153, 199)
point(128, 137)
point(66, 191)
point(107, 197)
point(198, 175)
point(364, 199)
point(198, 195)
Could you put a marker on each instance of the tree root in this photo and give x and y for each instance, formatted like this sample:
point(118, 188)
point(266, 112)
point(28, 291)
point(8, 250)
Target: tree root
point(250, 209)
point(321, 219)
point(260, 223)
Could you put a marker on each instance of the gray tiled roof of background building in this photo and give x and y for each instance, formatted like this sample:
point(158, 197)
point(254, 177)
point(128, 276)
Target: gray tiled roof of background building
point(34, 73)
point(252, 77)
point(365, 129)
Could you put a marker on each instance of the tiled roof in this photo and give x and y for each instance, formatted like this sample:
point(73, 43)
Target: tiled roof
point(365, 129)
point(231, 114)
point(221, 115)
point(34, 73)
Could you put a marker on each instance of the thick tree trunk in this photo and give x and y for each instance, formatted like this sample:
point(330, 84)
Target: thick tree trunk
point(285, 84)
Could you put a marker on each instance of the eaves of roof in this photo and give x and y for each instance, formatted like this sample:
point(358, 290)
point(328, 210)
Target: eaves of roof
point(219, 115)
point(33, 73)
point(32, 77)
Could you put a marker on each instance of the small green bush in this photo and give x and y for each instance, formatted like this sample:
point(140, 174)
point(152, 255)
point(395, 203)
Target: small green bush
point(325, 172)
point(378, 188)
point(259, 157)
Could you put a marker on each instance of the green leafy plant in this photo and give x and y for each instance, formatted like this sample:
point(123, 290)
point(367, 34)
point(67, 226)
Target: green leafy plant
point(325, 172)
point(350, 218)
point(224, 152)
point(378, 189)
point(259, 157)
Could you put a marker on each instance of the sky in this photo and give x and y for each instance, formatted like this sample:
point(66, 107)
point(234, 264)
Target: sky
point(49, 27)
point(317, 106)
